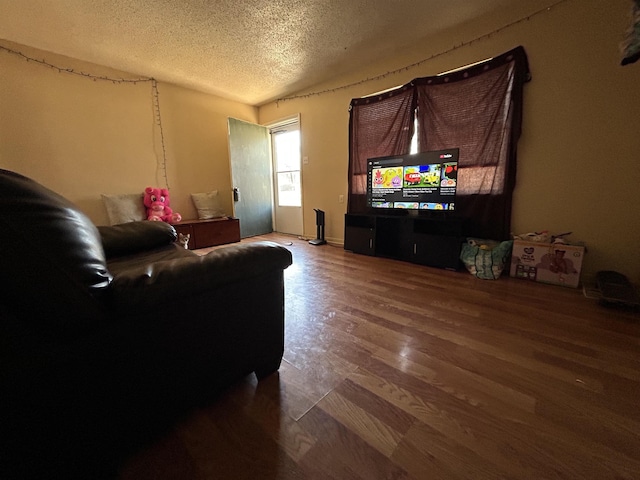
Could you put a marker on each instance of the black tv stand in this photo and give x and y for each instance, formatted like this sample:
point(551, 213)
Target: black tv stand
point(433, 241)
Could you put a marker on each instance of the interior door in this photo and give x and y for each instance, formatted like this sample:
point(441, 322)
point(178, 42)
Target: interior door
point(285, 143)
point(251, 177)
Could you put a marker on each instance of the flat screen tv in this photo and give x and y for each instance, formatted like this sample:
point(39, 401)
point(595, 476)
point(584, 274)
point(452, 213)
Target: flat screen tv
point(422, 181)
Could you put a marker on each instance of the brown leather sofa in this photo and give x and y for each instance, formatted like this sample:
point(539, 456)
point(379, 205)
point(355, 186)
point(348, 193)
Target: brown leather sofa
point(110, 334)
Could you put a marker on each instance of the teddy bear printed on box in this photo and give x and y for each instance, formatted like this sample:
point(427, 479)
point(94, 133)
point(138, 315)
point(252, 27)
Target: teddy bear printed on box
point(156, 200)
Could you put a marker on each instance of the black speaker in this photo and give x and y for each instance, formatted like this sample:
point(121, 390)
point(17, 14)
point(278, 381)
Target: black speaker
point(319, 240)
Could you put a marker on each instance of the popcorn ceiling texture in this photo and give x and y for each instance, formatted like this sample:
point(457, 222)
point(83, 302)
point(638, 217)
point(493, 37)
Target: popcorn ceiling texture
point(252, 51)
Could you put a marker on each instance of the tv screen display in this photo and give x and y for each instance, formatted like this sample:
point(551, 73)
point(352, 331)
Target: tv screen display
point(422, 181)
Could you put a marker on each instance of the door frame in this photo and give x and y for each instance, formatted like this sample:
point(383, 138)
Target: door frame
point(290, 120)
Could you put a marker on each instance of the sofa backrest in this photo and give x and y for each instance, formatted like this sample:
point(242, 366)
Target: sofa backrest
point(52, 264)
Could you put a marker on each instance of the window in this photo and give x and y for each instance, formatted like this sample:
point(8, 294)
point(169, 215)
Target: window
point(477, 109)
point(286, 152)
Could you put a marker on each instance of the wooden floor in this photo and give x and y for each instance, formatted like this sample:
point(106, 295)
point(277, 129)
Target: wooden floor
point(399, 371)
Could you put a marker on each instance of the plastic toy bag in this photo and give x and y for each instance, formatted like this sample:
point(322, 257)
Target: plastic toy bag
point(486, 259)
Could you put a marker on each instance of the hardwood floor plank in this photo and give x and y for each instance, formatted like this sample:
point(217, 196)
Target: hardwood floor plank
point(342, 453)
point(379, 435)
point(266, 409)
point(476, 390)
point(224, 443)
point(376, 406)
point(427, 453)
point(489, 436)
point(393, 370)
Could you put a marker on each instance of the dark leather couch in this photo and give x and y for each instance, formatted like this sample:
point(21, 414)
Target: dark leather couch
point(110, 334)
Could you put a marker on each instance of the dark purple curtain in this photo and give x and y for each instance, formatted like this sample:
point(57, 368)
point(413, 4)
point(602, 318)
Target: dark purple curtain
point(479, 110)
point(378, 126)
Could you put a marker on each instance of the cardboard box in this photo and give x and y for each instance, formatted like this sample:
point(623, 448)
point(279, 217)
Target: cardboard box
point(558, 264)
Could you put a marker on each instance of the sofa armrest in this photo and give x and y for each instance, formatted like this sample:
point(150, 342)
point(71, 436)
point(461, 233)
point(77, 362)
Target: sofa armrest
point(132, 237)
point(171, 281)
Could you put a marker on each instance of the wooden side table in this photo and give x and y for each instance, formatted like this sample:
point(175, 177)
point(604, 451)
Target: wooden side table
point(208, 233)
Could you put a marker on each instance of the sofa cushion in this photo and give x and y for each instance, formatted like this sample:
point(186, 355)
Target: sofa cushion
point(128, 207)
point(157, 279)
point(53, 264)
point(133, 237)
point(208, 205)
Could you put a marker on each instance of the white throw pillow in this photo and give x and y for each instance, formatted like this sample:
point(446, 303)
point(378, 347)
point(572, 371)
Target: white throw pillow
point(128, 207)
point(208, 205)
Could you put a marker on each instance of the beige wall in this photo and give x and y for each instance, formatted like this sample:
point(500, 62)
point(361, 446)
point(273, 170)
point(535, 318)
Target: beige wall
point(82, 138)
point(579, 156)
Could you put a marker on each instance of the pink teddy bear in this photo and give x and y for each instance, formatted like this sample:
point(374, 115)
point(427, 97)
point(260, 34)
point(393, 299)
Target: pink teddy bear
point(157, 202)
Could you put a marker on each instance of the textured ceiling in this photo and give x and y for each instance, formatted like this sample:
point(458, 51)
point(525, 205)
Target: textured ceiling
point(252, 51)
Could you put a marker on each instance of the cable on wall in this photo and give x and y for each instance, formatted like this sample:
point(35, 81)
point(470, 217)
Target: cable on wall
point(162, 166)
point(424, 60)
point(161, 163)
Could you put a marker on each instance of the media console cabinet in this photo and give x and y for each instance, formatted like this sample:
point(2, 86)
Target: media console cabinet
point(208, 233)
point(435, 242)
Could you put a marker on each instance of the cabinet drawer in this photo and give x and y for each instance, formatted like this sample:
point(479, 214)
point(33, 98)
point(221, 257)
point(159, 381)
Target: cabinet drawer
point(437, 251)
point(360, 240)
point(208, 234)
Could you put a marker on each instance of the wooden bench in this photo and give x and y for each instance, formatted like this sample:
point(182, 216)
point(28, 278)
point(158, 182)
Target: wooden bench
point(208, 233)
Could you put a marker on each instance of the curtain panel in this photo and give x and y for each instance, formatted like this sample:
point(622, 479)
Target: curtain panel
point(378, 126)
point(479, 111)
